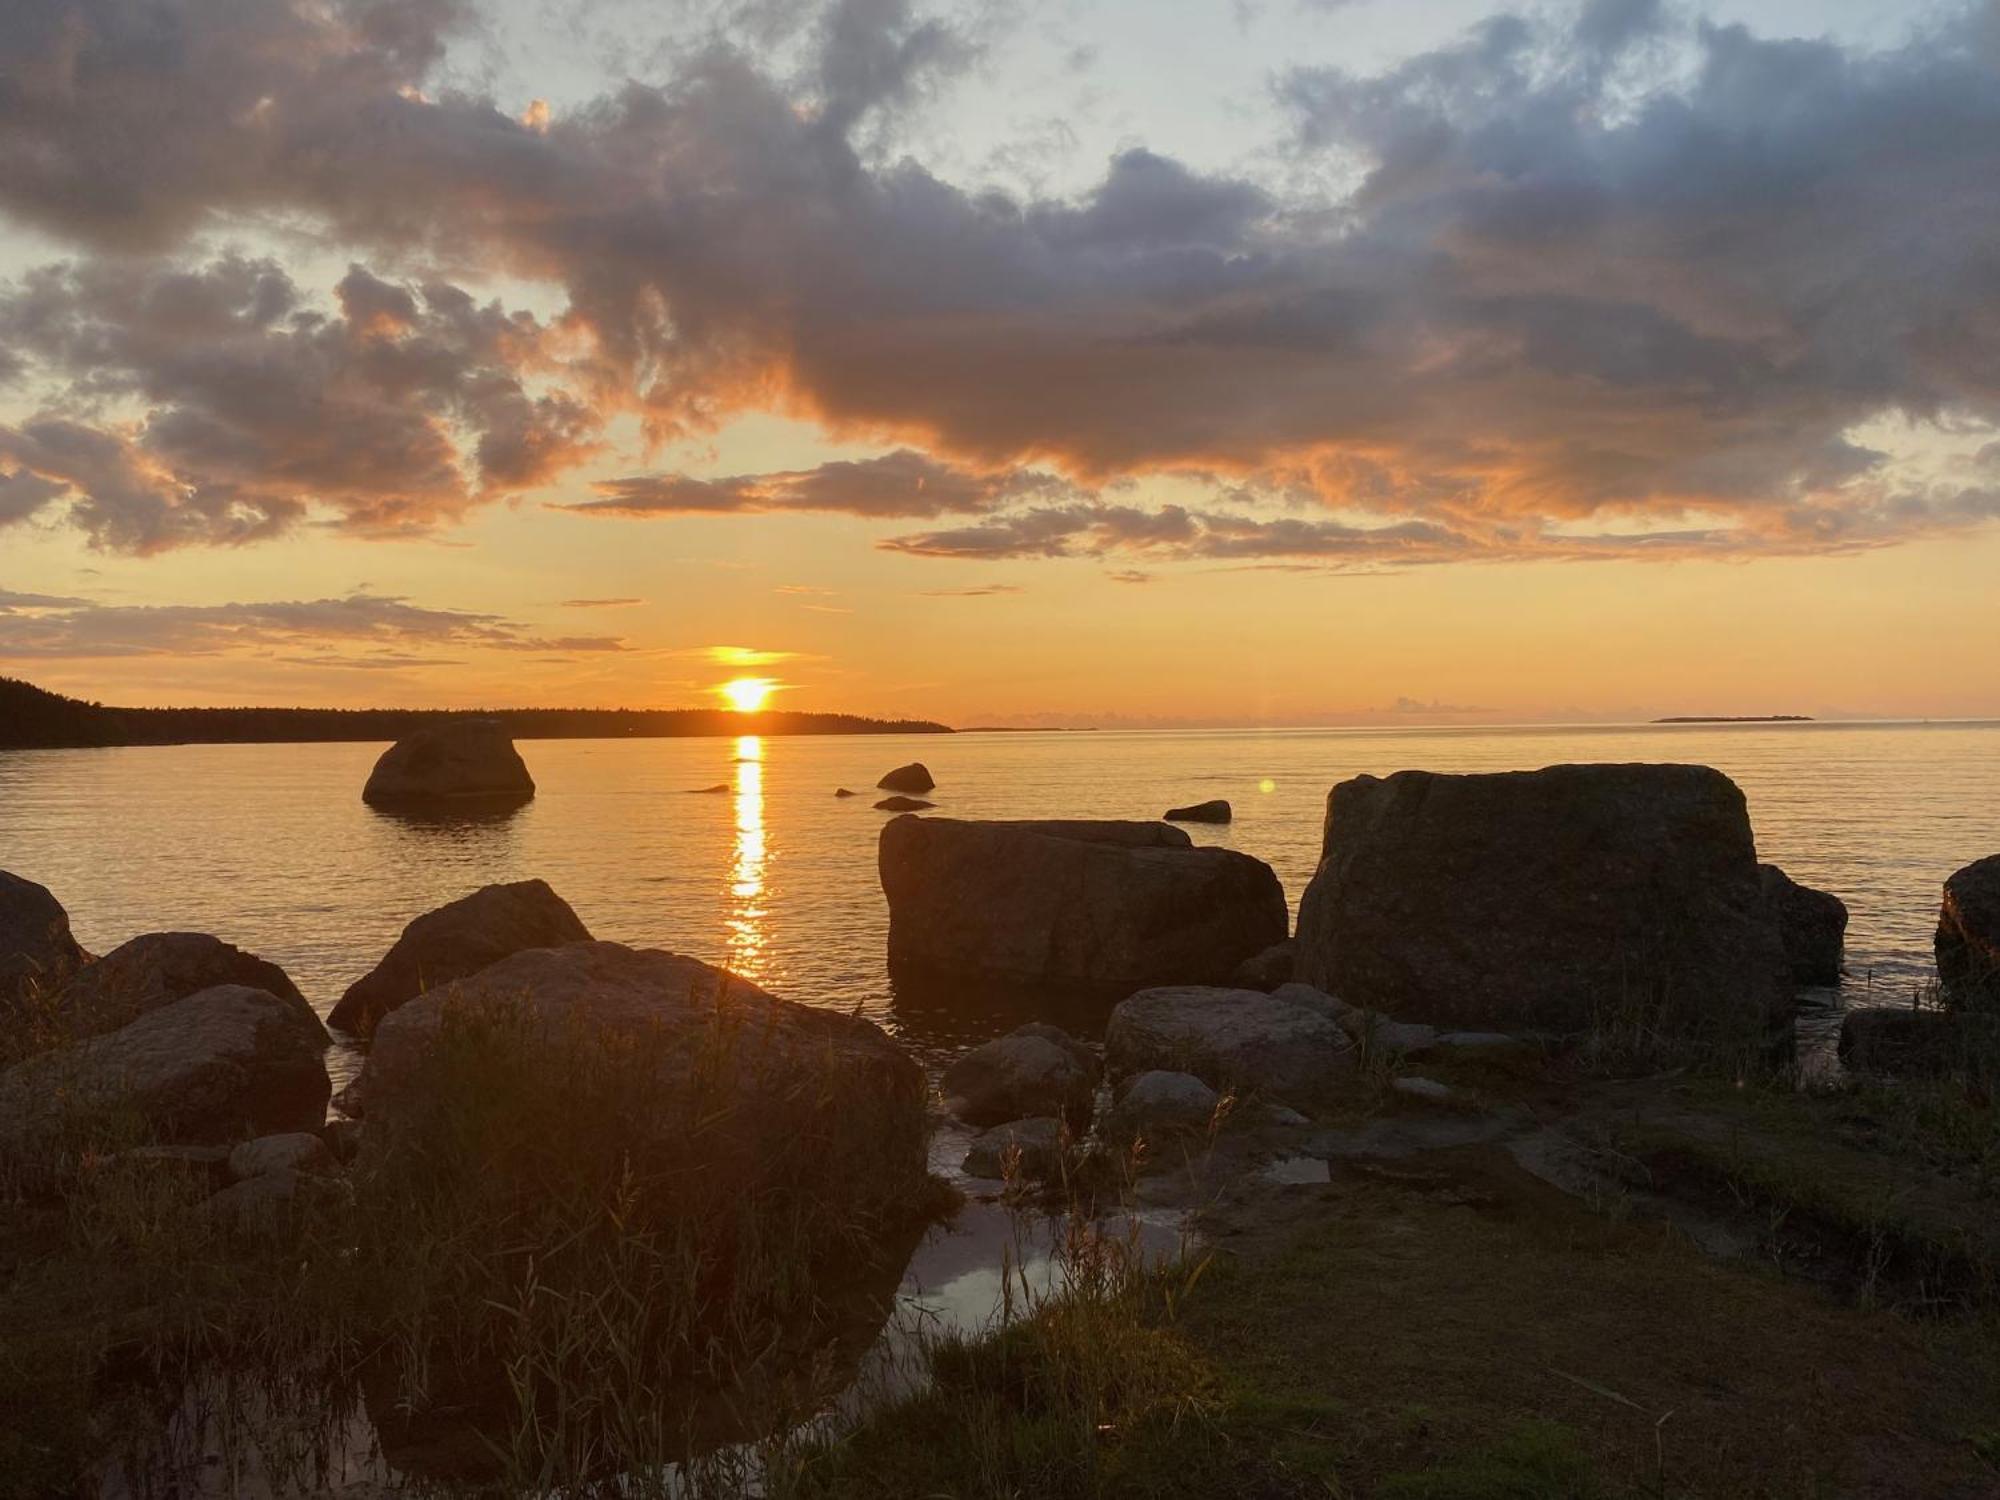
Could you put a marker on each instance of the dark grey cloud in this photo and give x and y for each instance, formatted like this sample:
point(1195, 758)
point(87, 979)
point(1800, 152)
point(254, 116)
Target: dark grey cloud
point(389, 627)
point(904, 483)
point(1601, 268)
point(396, 414)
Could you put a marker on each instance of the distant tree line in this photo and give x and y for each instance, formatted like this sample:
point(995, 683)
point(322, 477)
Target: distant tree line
point(34, 718)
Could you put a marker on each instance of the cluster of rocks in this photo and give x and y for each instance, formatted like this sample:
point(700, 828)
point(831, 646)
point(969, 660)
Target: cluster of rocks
point(211, 1057)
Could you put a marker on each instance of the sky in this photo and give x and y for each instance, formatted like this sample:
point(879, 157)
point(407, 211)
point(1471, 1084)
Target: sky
point(1005, 362)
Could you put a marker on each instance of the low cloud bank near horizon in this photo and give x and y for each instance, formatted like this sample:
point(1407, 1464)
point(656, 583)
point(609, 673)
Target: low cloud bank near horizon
point(1600, 283)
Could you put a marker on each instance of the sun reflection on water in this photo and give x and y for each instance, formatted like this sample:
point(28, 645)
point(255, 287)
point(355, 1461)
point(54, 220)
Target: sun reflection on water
point(748, 938)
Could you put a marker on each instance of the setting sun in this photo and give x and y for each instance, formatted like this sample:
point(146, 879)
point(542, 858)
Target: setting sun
point(747, 694)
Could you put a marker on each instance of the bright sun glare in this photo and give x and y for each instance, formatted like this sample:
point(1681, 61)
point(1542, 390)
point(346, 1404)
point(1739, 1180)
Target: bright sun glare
point(747, 694)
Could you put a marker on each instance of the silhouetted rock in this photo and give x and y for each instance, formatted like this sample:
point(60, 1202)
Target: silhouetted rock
point(915, 777)
point(1896, 1039)
point(1231, 1039)
point(458, 761)
point(780, 1087)
point(458, 939)
point(219, 1064)
point(1215, 811)
point(1036, 1069)
point(1031, 1149)
point(1564, 898)
point(1968, 934)
point(1160, 1104)
point(720, 788)
point(36, 951)
point(1265, 970)
point(844, 792)
point(158, 968)
point(903, 804)
point(1813, 925)
point(1086, 904)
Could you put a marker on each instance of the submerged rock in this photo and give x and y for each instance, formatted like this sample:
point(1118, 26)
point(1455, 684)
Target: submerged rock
point(1968, 934)
point(1090, 905)
point(903, 804)
point(1265, 970)
point(459, 761)
point(37, 952)
point(158, 968)
point(1231, 1039)
point(915, 777)
point(218, 1064)
point(1036, 1069)
point(1813, 925)
point(459, 938)
point(1032, 1148)
point(781, 1090)
point(719, 789)
point(1566, 898)
point(1214, 811)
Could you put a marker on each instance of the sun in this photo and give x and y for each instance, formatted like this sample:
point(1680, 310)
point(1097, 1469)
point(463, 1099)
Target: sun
point(747, 694)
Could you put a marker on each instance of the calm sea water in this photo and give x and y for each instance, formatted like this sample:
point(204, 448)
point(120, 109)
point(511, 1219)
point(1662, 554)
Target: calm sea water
point(271, 847)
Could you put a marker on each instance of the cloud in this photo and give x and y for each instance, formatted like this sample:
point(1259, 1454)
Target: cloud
point(904, 483)
point(1595, 283)
point(977, 591)
point(1408, 705)
point(315, 628)
point(394, 416)
point(600, 603)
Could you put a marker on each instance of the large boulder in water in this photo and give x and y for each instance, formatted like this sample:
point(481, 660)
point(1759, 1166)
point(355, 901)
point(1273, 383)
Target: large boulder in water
point(1968, 935)
point(37, 952)
point(1560, 899)
point(1813, 925)
point(458, 939)
point(158, 968)
point(915, 777)
point(777, 1088)
point(221, 1064)
point(460, 762)
point(1091, 905)
point(1273, 1045)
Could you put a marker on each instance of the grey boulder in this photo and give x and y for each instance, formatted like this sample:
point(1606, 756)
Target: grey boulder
point(780, 1089)
point(1072, 904)
point(458, 939)
point(1968, 935)
point(1240, 1040)
point(37, 952)
point(158, 968)
point(221, 1063)
point(1562, 899)
point(457, 762)
point(1161, 1103)
point(1034, 1070)
point(1812, 924)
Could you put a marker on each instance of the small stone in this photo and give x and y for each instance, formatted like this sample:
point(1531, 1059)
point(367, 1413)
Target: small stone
point(1478, 1041)
point(1161, 1102)
point(1284, 1117)
point(1427, 1089)
point(1380, 1035)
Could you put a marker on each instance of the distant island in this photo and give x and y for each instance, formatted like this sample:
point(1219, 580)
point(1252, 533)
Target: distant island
point(1737, 719)
point(33, 718)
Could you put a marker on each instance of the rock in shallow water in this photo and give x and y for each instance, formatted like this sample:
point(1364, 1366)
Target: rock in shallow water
point(1161, 1103)
point(459, 761)
point(1031, 1149)
point(1567, 898)
point(915, 777)
point(458, 939)
point(1091, 905)
point(1215, 811)
point(37, 952)
point(1968, 934)
point(1034, 1070)
point(1812, 924)
point(903, 805)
